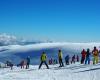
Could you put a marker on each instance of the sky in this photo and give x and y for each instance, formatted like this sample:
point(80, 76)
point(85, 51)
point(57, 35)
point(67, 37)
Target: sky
point(58, 20)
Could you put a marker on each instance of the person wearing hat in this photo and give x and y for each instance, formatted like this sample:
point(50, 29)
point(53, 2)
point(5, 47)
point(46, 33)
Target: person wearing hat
point(60, 57)
point(95, 53)
point(88, 56)
point(43, 60)
point(27, 62)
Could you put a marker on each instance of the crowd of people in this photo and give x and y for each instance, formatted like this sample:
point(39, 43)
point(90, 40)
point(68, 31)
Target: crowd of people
point(85, 59)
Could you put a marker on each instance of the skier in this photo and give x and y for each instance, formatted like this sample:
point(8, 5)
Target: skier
point(9, 64)
point(88, 56)
point(50, 61)
point(43, 60)
point(22, 64)
point(60, 56)
point(67, 60)
point(54, 61)
point(27, 62)
point(83, 53)
point(73, 59)
point(95, 53)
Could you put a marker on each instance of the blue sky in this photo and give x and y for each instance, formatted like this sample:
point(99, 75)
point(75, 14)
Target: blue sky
point(59, 20)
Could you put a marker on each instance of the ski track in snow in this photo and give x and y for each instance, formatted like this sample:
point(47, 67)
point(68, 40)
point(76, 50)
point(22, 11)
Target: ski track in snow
point(70, 72)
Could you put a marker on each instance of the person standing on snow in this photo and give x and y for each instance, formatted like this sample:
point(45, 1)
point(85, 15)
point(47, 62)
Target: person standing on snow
point(88, 56)
point(60, 57)
point(95, 53)
point(27, 62)
point(73, 59)
point(67, 60)
point(9, 64)
point(83, 53)
point(43, 60)
point(22, 64)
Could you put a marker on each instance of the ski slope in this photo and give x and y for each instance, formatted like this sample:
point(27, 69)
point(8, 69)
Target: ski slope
point(16, 53)
point(70, 72)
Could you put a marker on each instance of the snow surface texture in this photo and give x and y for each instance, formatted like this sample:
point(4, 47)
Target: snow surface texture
point(70, 72)
point(16, 53)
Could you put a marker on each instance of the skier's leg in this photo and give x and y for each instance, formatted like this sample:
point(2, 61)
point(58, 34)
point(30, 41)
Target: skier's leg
point(94, 60)
point(60, 62)
point(46, 65)
point(97, 59)
point(86, 60)
point(21, 66)
point(66, 62)
point(40, 65)
point(81, 61)
point(26, 66)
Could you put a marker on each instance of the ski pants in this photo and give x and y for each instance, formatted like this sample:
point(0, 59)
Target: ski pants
point(44, 63)
point(82, 60)
point(87, 60)
point(61, 63)
point(27, 65)
point(95, 60)
point(67, 62)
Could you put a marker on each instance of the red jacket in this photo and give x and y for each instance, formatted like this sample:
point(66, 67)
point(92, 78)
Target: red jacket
point(83, 53)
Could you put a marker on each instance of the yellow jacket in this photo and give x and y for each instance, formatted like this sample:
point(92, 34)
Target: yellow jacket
point(43, 57)
point(60, 55)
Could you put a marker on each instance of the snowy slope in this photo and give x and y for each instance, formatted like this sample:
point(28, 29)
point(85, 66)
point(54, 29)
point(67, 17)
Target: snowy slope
point(16, 53)
point(71, 72)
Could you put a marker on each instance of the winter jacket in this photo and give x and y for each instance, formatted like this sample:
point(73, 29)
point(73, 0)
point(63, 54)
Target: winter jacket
point(60, 55)
point(83, 53)
point(95, 52)
point(67, 58)
point(88, 54)
point(43, 57)
point(28, 60)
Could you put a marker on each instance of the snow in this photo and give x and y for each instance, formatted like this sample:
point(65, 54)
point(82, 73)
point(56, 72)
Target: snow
point(16, 53)
point(70, 72)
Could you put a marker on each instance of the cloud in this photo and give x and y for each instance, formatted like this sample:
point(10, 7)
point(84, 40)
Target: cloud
point(13, 40)
point(7, 39)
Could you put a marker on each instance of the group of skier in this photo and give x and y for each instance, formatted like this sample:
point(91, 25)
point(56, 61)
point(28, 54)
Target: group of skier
point(44, 59)
point(68, 60)
point(85, 58)
point(53, 61)
point(25, 63)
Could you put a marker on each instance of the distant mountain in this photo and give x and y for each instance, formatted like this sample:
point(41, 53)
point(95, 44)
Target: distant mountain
point(7, 40)
point(12, 40)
